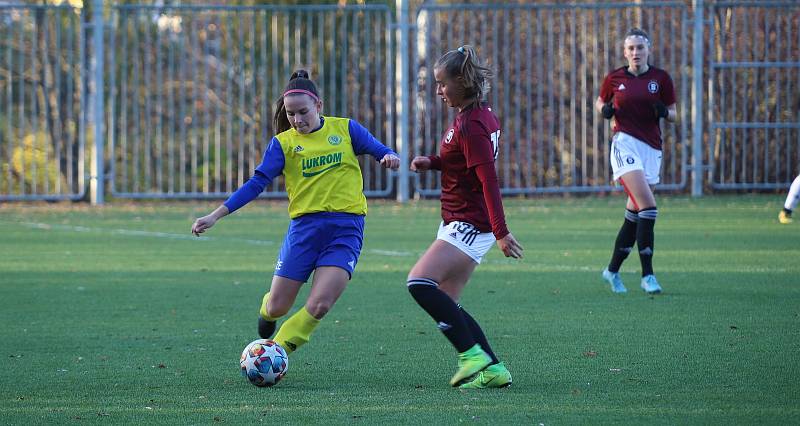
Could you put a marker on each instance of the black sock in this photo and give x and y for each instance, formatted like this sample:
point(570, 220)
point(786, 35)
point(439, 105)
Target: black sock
point(443, 310)
point(478, 335)
point(645, 238)
point(625, 240)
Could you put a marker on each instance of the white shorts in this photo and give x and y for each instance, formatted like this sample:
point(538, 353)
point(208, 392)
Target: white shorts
point(466, 238)
point(629, 153)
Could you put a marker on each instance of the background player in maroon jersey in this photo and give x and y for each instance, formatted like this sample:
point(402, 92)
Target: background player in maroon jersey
point(636, 97)
point(472, 217)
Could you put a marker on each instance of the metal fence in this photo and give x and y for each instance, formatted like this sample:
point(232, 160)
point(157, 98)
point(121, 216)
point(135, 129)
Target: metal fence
point(548, 77)
point(192, 92)
point(42, 103)
point(754, 94)
point(188, 92)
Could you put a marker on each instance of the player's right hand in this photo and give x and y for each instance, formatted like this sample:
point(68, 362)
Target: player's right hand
point(202, 223)
point(421, 163)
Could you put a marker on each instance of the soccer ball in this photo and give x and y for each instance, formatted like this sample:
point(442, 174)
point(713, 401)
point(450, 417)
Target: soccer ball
point(264, 362)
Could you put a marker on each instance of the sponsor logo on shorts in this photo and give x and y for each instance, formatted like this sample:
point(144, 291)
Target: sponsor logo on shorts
point(629, 160)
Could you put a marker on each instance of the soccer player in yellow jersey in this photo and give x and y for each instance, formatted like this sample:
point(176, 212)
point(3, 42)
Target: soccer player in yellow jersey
point(318, 158)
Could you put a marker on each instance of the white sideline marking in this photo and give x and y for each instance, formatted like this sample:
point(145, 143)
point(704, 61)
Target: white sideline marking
point(134, 233)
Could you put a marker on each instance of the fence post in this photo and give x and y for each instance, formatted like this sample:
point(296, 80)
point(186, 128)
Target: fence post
point(97, 164)
point(403, 113)
point(697, 106)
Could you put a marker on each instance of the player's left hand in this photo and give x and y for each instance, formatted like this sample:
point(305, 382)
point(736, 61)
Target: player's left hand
point(510, 246)
point(660, 110)
point(390, 161)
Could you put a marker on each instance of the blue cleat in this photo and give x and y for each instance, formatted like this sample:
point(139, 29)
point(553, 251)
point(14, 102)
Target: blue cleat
point(650, 285)
point(615, 281)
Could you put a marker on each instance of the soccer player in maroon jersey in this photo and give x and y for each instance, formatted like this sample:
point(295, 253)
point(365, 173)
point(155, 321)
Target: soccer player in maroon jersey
point(472, 217)
point(636, 97)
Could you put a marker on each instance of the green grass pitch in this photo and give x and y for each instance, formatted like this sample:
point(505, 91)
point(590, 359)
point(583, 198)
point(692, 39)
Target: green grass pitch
point(116, 315)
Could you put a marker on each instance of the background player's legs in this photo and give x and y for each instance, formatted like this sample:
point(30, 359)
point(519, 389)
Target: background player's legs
point(791, 201)
point(626, 238)
point(328, 284)
point(640, 197)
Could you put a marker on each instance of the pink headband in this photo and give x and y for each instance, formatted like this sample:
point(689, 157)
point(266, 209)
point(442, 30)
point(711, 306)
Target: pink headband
point(305, 92)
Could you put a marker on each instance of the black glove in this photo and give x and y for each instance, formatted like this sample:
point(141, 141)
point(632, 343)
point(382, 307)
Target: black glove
point(607, 111)
point(660, 109)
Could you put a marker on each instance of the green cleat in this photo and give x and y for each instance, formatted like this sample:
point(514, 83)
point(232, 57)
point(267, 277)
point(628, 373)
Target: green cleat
point(470, 362)
point(494, 376)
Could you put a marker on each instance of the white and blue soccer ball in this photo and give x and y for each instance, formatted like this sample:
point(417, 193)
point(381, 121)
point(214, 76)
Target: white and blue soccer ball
point(264, 362)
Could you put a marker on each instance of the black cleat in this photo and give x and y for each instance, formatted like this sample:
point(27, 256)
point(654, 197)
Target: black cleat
point(265, 328)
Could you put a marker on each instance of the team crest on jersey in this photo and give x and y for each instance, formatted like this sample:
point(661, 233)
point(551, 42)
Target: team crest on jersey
point(334, 140)
point(652, 86)
point(298, 148)
point(449, 136)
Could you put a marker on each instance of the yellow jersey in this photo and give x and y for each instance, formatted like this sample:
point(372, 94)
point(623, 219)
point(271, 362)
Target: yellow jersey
point(321, 170)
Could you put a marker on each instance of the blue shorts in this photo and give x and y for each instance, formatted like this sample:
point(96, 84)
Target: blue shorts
point(320, 239)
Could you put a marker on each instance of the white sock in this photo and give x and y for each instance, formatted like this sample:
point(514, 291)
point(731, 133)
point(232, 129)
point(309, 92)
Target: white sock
point(794, 194)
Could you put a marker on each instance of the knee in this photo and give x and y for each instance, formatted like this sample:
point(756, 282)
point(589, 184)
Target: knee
point(318, 308)
point(415, 285)
point(276, 311)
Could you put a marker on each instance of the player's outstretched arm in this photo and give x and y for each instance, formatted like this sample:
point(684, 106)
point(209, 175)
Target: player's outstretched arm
point(510, 246)
point(202, 223)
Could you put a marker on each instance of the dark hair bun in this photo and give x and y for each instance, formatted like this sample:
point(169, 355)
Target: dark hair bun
point(299, 74)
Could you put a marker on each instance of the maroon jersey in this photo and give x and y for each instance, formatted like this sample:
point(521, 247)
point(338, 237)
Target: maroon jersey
point(470, 190)
point(634, 97)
